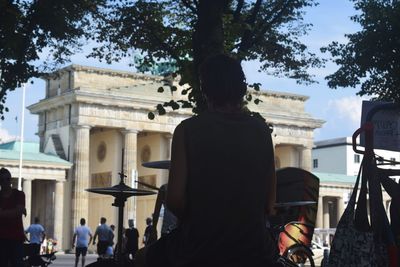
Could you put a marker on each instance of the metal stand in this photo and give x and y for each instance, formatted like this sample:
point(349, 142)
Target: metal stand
point(120, 192)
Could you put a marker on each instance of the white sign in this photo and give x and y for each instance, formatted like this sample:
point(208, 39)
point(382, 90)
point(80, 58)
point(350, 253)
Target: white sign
point(386, 121)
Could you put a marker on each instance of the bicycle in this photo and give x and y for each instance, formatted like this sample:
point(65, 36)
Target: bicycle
point(32, 259)
point(298, 254)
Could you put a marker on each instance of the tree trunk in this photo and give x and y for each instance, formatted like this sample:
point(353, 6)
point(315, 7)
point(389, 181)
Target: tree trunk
point(208, 38)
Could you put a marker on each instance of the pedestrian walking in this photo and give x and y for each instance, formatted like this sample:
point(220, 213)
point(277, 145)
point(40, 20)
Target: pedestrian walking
point(150, 234)
point(83, 237)
point(132, 240)
point(104, 233)
point(36, 236)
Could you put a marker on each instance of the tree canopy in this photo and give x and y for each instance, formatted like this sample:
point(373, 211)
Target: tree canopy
point(29, 29)
point(371, 58)
point(186, 32)
point(173, 35)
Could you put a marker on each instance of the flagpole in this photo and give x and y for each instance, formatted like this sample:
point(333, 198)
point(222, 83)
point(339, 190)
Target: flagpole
point(21, 142)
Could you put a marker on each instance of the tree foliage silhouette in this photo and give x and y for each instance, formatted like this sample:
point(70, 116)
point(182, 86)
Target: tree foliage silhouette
point(179, 35)
point(371, 58)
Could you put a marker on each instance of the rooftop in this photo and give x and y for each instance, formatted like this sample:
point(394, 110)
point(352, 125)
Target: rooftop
point(11, 151)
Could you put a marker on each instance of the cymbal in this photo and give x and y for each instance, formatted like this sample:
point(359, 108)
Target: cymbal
point(294, 204)
point(161, 164)
point(120, 190)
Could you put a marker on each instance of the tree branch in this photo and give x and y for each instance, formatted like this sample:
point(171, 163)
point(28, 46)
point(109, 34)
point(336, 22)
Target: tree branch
point(268, 24)
point(247, 34)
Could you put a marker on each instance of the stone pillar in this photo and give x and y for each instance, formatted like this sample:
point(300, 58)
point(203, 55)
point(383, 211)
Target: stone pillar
point(305, 158)
point(80, 208)
point(320, 219)
point(168, 138)
point(326, 214)
point(58, 212)
point(27, 188)
point(130, 165)
point(165, 173)
point(340, 208)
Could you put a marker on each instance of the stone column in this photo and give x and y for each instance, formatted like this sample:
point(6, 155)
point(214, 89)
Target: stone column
point(340, 208)
point(27, 188)
point(130, 165)
point(59, 212)
point(326, 214)
point(168, 138)
point(305, 158)
point(320, 212)
point(165, 173)
point(80, 208)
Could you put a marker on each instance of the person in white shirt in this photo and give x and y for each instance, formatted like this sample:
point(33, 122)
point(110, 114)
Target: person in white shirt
point(83, 236)
point(36, 235)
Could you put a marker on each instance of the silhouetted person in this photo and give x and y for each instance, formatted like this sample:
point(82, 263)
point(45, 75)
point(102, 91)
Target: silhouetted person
point(150, 234)
point(36, 235)
point(104, 233)
point(132, 239)
point(12, 236)
point(222, 180)
point(83, 236)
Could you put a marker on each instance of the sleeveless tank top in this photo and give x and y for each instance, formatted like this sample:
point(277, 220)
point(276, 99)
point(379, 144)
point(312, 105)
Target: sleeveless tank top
point(229, 156)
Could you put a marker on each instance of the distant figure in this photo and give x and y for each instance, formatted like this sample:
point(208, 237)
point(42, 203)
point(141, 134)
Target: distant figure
point(222, 181)
point(104, 232)
point(150, 235)
point(83, 236)
point(12, 236)
point(36, 235)
point(132, 239)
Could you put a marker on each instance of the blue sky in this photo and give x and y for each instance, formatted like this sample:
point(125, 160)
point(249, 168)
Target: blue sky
point(340, 108)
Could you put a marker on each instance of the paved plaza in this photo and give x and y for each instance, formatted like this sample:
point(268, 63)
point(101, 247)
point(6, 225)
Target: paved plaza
point(68, 260)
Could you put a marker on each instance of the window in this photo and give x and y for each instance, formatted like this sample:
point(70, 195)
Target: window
point(315, 163)
point(356, 158)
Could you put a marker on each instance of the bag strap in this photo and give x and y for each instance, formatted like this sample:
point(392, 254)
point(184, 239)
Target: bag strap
point(349, 211)
point(361, 213)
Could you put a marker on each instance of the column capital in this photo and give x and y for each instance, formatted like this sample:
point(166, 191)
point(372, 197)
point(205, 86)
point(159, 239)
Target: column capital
point(168, 135)
point(81, 126)
point(127, 131)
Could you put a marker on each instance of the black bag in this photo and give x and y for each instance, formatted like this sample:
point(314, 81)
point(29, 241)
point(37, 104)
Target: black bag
point(357, 243)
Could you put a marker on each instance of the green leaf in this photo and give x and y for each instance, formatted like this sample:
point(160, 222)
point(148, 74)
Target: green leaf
point(161, 110)
point(151, 116)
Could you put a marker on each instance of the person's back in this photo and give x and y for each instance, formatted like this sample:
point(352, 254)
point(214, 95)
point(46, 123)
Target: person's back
point(103, 231)
point(222, 178)
point(83, 234)
point(36, 232)
point(228, 159)
point(132, 242)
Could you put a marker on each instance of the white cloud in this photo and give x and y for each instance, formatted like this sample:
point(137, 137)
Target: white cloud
point(348, 109)
point(5, 136)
